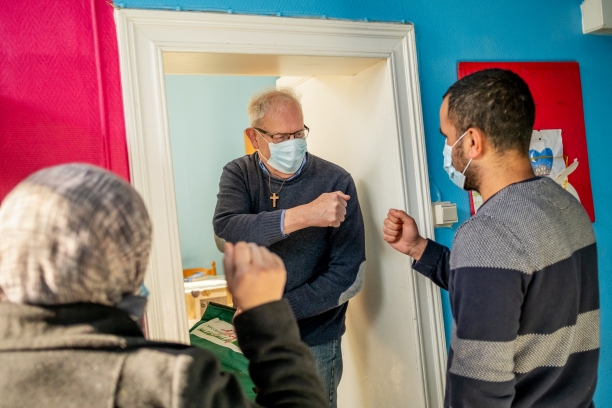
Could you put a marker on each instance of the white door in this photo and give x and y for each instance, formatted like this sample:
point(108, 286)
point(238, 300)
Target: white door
point(352, 122)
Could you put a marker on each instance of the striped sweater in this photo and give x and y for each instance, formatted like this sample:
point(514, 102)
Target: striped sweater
point(522, 278)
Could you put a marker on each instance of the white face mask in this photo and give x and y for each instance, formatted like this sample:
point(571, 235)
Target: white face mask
point(456, 177)
point(287, 157)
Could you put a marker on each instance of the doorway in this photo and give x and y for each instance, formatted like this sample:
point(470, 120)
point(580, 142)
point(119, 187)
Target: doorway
point(207, 117)
point(359, 88)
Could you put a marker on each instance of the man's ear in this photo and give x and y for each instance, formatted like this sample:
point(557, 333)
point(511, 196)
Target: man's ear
point(476, 143)
point(252, 135)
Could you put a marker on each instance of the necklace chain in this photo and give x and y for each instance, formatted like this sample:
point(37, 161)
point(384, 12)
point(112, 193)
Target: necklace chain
point(270, 185)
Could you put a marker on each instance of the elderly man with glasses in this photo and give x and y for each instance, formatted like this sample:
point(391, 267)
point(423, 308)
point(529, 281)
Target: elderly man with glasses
point(304, 209)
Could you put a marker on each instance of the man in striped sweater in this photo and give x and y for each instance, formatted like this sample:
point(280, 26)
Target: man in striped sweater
point(522, 275)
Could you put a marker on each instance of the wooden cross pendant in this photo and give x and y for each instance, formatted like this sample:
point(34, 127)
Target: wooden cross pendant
point(274, 197)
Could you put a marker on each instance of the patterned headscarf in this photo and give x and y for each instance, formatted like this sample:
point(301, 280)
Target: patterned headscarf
point(73, 233)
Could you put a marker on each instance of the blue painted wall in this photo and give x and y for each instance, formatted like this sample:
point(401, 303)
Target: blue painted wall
point(207, 115)
point(475, 30)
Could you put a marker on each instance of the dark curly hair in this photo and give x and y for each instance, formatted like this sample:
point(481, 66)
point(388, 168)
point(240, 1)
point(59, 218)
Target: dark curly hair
point(497, 102)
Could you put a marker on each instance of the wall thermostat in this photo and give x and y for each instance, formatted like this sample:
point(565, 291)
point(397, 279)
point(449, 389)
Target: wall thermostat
point(444, 214)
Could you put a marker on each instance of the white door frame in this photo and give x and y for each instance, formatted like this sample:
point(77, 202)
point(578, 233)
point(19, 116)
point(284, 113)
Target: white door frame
point(144, 34)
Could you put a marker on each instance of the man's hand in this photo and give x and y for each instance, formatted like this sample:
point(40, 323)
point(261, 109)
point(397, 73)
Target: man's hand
point(328, 210)
point(402, 233)
point(254, 275)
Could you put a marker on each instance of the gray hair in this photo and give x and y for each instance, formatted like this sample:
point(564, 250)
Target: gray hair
point(73, 233)
point(269, 101)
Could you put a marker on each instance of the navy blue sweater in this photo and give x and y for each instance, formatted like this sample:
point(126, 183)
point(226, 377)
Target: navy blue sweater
point(522, 278)
point(325, 266)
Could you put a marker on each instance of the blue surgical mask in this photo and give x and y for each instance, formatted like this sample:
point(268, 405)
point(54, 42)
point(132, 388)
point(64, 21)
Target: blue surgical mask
point(287, 157)
point(134, 304)
point(456, 177)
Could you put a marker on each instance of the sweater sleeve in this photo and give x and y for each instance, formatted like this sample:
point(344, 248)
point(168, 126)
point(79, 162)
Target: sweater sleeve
point(434, 264)
point(280, 364)
point(345, 273)
point(233, 220)
point(487, 287)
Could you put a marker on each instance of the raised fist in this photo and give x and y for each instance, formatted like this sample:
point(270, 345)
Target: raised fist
point(328, 210)
point(401, 232)
point(254, 275)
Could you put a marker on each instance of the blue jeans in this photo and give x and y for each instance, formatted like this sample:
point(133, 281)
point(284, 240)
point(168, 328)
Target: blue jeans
point(328, 358)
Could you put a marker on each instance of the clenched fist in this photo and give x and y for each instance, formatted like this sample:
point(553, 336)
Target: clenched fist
point(327, 210)
point(254, 275)
point(401, 232)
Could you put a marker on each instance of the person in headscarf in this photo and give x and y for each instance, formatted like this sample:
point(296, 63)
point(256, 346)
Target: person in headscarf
point(74, 246)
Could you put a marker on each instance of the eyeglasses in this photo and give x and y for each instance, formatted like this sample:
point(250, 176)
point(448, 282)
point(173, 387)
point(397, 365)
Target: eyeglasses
point(283, 137)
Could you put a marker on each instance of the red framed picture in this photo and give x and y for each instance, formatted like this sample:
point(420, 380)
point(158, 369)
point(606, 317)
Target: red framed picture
point(557, 93)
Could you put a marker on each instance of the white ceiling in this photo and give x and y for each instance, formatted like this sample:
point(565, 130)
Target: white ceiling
point(195, 63)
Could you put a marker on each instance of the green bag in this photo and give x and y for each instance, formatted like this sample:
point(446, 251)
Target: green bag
point(215, 333)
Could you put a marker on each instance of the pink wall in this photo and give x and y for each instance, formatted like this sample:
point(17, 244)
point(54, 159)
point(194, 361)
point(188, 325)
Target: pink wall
point(60, 91)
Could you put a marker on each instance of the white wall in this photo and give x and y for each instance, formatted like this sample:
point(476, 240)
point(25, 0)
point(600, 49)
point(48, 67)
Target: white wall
point(353, 125)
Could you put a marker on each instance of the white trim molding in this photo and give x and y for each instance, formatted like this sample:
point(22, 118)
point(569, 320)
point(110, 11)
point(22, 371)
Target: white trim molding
point(143, 35)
